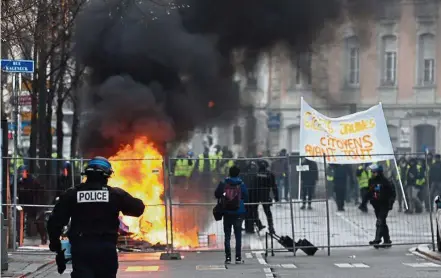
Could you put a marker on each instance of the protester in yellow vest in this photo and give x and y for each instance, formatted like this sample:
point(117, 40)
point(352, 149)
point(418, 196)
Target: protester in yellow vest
point(422, 183)
point(363, 175)
point(415, 183)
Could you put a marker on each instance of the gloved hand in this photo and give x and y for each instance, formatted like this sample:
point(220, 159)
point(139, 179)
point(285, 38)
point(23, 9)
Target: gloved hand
point(55, 245)
point(61, 261)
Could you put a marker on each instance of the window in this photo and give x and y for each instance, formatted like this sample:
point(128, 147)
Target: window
point(303, 69)
point(389, 72)
point(352, 61)
point(426, 59)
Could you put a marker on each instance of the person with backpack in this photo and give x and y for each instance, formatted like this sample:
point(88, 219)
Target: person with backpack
point(232, 194)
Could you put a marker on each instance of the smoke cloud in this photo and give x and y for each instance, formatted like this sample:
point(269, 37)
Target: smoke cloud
point(163, 68)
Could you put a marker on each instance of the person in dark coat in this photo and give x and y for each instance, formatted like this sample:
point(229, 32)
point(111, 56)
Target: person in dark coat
point(435, 176)
point(382, 197)
point(412, 176)
point(264, 183)
point(309, 180)
point(341, 174)
point(30, 193)
point(280, 169)
point(252, 216)
point(64, 179)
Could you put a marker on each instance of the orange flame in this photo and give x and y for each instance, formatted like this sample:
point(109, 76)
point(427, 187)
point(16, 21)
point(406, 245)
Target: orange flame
point(138, 169)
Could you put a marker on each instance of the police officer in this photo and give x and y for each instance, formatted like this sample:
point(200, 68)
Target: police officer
point(93, 208)
point(382, 196)
point(264, 182)
point(309, 179)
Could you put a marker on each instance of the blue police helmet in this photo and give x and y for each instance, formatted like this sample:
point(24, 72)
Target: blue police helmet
point(375, 168)
point(99, 164)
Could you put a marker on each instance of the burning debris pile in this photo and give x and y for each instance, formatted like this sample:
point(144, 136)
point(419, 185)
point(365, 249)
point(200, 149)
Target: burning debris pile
point(143, 177)
point(161, 68)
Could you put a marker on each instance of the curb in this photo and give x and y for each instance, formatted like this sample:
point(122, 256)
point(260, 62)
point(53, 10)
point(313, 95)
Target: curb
point(426, 251)
point(39, 268)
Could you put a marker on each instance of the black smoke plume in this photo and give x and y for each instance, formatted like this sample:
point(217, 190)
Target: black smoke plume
point(162, 68)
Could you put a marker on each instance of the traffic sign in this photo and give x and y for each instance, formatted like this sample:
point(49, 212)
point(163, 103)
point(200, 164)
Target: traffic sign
point(18, 66)
point(274, 120)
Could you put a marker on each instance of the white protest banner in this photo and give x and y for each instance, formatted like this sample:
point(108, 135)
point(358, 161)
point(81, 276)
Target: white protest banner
point(357, 138)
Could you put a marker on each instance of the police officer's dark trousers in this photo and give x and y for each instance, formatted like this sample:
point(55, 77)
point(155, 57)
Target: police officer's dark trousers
point(252, 218)
point(269, 217)
point(340, 194)
point(94, 257)
point(382, 230)
point(364, 197)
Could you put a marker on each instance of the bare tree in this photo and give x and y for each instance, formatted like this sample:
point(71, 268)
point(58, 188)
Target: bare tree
point(41, 30)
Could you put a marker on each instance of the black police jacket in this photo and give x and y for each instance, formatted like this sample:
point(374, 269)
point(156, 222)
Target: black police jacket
point(263, 182)
point(381, 192)
point(93, 210)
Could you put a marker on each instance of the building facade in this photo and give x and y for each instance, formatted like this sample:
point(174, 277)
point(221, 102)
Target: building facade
point(397, 65)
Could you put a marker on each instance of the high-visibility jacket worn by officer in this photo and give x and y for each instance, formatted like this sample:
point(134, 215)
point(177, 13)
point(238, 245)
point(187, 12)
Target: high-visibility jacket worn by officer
point(212, 160)
point(227, 166)
point(183, 168)
point(330, 174)
point(421, 179)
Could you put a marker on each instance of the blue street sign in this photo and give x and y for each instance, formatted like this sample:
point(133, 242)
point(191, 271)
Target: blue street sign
point(19, 66)
point(274, 120)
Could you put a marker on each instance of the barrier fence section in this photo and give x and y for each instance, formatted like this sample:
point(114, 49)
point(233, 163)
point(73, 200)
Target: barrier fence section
point(179, 194)
point(333, 219)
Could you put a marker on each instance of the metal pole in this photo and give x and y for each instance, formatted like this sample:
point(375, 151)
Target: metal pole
point(430, 201)
point(291, 207)
point(171, 205)
point(327, 206)
point(81, 168)
point(72, 171)
point(1, 174)
point(401, 183)
point(14, 211)
point(300, 180)
point(166, 188)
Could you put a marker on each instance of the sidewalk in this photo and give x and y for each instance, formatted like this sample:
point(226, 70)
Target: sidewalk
point(21, 264)
point(426, 250)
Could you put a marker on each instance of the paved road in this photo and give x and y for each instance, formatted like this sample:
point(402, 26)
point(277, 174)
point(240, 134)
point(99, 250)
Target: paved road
point(348, 228)
point(396, 262)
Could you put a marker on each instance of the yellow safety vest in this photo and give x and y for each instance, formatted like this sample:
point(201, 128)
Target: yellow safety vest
point(183, 169)
point(363, 180)
point(20, 162)
point(227, 166)
point(420, 181)
point(212, 161)
point(330, 175)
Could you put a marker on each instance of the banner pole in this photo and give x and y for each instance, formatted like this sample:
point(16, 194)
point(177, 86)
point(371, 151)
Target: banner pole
point(300, 151)
point(401, 183)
